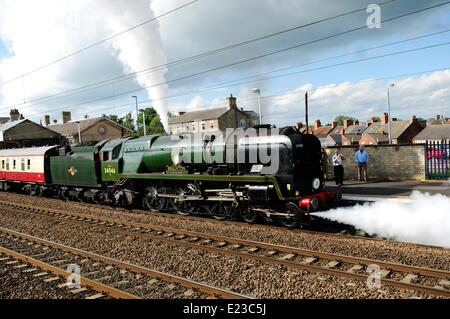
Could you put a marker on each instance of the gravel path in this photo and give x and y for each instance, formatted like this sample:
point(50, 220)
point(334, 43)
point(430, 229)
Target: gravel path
point(242, 275)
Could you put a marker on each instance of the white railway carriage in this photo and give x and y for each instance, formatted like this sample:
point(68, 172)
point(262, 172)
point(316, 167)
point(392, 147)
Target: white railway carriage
point(29, 165)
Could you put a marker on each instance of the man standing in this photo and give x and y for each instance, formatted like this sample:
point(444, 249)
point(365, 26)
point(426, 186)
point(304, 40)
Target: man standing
point(361, 157)
point(338, 168)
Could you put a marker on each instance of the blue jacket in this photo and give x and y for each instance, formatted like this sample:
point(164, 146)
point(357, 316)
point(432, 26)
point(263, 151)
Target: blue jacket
point(361, 157)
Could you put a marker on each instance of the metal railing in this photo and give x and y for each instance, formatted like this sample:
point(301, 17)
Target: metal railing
point(437, 159)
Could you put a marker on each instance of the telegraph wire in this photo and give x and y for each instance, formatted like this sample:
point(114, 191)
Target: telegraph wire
point(191, 58)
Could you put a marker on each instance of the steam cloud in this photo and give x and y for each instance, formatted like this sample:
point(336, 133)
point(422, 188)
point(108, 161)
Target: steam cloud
point(141, 48)
point(422, 219)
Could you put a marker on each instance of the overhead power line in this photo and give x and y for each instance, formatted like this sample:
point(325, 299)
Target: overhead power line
point(389, 77)
point(292, 73)
point(255, 58)
point(198, 56)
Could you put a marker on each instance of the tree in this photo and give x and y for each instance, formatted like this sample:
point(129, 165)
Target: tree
point(156, 126)
point(340, 119)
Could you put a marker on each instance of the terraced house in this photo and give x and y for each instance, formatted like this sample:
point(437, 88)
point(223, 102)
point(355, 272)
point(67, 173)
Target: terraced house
point(213, 119)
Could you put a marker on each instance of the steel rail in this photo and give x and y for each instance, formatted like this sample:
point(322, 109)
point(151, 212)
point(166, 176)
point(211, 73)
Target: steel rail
point(187, 283)
point(175, 236)
point(237, 223)
point(111, 291)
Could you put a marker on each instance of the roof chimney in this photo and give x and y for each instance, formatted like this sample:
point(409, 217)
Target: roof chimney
point(368, 124)
point(384, 118)
point(347, 123)
point(46, 120)
point(231, 102)
point(334, 124)
point(318, 124)
point(298, 125)
point(372, 120)
point(55, 121)
point(65, 117)
point(393, 119)
point(14, 115)
point(413, 119)
point(356, 122)
point(438, 117)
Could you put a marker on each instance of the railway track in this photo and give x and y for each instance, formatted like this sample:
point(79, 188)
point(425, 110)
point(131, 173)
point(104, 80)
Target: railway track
point(109, 277)
point(232, 222)
point(430, 281)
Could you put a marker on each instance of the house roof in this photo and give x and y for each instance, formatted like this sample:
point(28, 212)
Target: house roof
point(327, 141)
point(71, 128)
point(322, 131)
point(337, 138)
point(352, 137)
point(355, 129)
point(8, 125)
point(434, 132)
point(336, 130)
point(199, 115)
point(397, 128)
point(4, 120)
point(379, 137)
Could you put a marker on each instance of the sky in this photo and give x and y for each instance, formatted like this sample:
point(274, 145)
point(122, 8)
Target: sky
point(343, 74)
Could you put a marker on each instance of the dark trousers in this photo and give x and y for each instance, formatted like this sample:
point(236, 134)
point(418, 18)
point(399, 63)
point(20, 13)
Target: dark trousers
point(339, 174)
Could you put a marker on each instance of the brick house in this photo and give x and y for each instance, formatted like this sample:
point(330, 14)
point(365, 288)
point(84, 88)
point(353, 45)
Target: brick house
point(434, 133)
point(402, 132)
point(213, 119)
point(91, 129)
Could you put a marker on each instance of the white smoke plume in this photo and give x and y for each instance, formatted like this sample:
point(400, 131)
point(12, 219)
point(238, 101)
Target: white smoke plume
point(141, 48)
point(421, 219)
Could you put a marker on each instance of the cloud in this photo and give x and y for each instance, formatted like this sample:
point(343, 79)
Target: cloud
point(36, 32)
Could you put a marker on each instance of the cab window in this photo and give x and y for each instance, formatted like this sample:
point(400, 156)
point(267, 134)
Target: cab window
point(105, 156)
point(116, 152)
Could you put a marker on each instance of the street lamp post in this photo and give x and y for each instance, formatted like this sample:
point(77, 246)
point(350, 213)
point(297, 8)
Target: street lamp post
point(389, 111)
point(143, 120)
point(79, 133)
point(137, 115)
point(258, 91)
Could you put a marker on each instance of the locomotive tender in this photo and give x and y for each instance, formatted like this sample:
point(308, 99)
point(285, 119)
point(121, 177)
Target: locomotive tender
point(260, 172)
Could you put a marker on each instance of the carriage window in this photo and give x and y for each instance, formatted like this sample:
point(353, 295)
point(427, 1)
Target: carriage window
point(22, 164)
point(28, 164)
point(7, 164)
point(14, 164)
point(3, 164)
